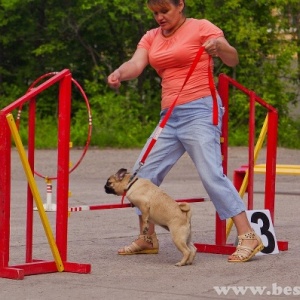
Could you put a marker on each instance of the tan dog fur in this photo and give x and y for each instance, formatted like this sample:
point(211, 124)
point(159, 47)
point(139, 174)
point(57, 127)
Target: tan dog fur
point(157, 207)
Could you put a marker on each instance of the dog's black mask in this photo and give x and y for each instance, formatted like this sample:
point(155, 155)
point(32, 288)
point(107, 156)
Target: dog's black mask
point(109, 189)
point(119, 176)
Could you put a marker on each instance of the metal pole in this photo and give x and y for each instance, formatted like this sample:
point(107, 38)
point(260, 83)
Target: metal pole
point(223, 90)
point(271, 163)
point(31, 146)
point(63, 165)
point(251, 150)
point(5, 191)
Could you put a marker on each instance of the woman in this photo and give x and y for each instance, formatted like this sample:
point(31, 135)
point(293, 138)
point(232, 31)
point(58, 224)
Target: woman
point(170, 49)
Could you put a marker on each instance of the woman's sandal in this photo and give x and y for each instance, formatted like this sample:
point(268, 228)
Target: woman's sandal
point(134, 248)
point(244, 253)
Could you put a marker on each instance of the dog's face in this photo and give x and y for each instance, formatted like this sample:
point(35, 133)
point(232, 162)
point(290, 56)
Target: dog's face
point(116, 184)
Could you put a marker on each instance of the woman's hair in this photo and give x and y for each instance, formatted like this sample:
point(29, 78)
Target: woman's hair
point(163, 3)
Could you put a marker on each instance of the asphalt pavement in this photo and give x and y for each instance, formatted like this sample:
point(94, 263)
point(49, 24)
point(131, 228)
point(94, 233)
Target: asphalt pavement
point(95, 235)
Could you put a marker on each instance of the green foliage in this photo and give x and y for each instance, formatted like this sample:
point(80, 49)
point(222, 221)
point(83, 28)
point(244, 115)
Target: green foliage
point(45, 132)
point(289, 133)
point(92, 38)
point(119, 121)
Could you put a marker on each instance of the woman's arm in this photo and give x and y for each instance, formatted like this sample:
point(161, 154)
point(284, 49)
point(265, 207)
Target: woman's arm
point(130, 69)
point(221, 48)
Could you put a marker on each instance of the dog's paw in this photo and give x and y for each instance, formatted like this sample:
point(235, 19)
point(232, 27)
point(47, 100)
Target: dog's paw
point(179, 264)
point(192, 256)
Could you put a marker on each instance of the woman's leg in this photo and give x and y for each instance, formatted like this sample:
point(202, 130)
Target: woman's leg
point(201, 140)
point(241, 223)
point(249, 242)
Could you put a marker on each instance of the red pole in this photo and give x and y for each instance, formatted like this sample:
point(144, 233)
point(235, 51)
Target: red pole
point(5, 190)
point(271, 162)
point(223, 90)
point(251, 149)
point(63, 165)
point(31, 147)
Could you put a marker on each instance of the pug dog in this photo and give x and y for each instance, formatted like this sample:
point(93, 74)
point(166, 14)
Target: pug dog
point(156, 207)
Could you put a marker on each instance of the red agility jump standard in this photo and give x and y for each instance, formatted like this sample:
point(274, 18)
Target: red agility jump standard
point(221, 246)
point(33, 266)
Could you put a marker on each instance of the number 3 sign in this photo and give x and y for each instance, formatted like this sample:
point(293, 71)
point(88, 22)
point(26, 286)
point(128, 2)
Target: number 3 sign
point(261, 222)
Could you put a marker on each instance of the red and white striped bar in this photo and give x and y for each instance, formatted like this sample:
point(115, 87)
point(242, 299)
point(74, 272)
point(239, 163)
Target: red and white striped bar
point(124, 205)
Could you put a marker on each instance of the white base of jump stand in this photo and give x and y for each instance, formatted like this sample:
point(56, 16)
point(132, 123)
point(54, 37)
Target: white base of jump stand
point(48, 207)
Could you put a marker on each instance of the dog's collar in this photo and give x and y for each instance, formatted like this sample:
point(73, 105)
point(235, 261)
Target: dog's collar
point(125, 191)
point(131, 184)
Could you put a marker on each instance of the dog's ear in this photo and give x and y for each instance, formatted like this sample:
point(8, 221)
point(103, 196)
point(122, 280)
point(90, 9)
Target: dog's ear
point(120, 174)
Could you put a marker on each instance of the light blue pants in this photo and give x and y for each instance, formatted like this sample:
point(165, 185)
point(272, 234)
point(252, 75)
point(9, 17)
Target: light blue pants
point(190, 129)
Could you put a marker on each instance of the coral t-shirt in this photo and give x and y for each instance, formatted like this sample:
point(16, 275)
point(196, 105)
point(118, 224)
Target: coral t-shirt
point(173, 56)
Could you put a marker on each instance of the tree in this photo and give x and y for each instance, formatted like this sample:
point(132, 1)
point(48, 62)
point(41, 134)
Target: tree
point(91, 38)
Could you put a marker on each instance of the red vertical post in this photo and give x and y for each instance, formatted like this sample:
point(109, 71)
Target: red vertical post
point(271, 162)
point(31, 147)
point(251, 149)
point(223, 90)
point(5, 190)
point(63, 165)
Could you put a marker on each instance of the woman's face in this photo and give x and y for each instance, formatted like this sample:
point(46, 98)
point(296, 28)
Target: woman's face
point(167, 16)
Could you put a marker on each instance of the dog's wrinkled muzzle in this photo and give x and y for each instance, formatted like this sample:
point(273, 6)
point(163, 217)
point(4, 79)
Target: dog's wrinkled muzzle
point(109, 189)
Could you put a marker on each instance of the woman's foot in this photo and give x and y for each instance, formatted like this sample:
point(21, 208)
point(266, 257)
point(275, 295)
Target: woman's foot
point(249, 244)
point(144, 244)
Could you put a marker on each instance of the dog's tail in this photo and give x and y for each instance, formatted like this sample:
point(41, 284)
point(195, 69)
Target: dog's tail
point(184, 206)
point(186, 209)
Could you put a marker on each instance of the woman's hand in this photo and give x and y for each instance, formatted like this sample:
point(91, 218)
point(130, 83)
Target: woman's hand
point(211, 47)
point(114, 79)
point(220, 47)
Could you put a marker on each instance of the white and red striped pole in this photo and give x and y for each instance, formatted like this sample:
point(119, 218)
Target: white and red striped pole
point(48, 206)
